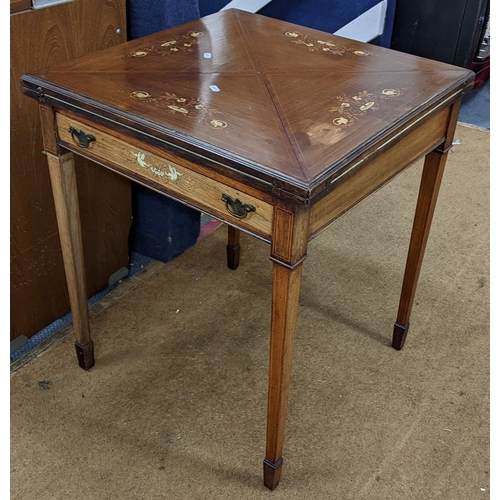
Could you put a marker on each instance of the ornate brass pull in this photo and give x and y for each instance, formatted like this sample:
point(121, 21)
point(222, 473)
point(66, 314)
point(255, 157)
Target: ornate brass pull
point(236, 207)
point(80, 138)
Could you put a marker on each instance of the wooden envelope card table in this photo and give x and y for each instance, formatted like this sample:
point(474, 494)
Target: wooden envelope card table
point(273, 128)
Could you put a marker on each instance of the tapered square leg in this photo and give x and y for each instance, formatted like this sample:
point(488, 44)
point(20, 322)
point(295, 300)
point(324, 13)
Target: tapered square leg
point(399, 335)
point(63, 179)
point(272, 473)
point(288, 251)
point(233, 247)
point(426, 203)
point(432, 176)
point(85, 355)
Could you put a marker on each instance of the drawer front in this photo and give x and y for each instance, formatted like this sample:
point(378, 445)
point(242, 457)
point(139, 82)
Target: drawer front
point(193, 188)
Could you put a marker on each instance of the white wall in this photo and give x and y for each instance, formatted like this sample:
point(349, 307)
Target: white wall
point(364, 28)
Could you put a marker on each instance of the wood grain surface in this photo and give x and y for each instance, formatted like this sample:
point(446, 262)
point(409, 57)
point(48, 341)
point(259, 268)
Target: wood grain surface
point(201, 192)
point(288, 251)
point(63, 180)
point(278, 100)
point(377, 169)
point(19, 5)
point(432, 175)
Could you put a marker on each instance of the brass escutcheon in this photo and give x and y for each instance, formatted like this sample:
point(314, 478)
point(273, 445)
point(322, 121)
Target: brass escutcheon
point(81, 138)
point(236, 207)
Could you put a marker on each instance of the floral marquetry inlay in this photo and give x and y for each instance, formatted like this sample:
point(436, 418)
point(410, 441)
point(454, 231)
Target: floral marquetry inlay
point(179, 44)
point(165, 172)
point(191, 107)
point(140, 94)
point(326, 47)
point(350, 109)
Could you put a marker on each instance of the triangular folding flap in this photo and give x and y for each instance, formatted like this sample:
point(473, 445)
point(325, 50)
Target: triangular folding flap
point(280, 47)
point(329, 116)
point(232, 112)
point(214, 44)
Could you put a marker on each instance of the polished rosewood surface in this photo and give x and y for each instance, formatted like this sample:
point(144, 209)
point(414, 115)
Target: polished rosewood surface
point(276, 129)
point(276, 99)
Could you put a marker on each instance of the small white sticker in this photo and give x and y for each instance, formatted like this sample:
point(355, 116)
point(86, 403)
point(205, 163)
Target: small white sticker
point(207, 55)
point(214, 88)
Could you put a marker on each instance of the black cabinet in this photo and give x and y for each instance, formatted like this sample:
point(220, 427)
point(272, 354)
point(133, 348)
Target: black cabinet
point(451, 31)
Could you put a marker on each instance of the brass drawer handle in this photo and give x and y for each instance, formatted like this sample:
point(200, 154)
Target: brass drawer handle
point(80, 138)
point(236, 207)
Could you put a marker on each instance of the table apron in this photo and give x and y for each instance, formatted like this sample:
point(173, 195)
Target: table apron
point(376, 168)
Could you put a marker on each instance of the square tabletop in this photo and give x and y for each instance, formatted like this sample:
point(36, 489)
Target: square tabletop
point(273, 100)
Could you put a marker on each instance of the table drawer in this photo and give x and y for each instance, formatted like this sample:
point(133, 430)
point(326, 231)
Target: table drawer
point(200, 191)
